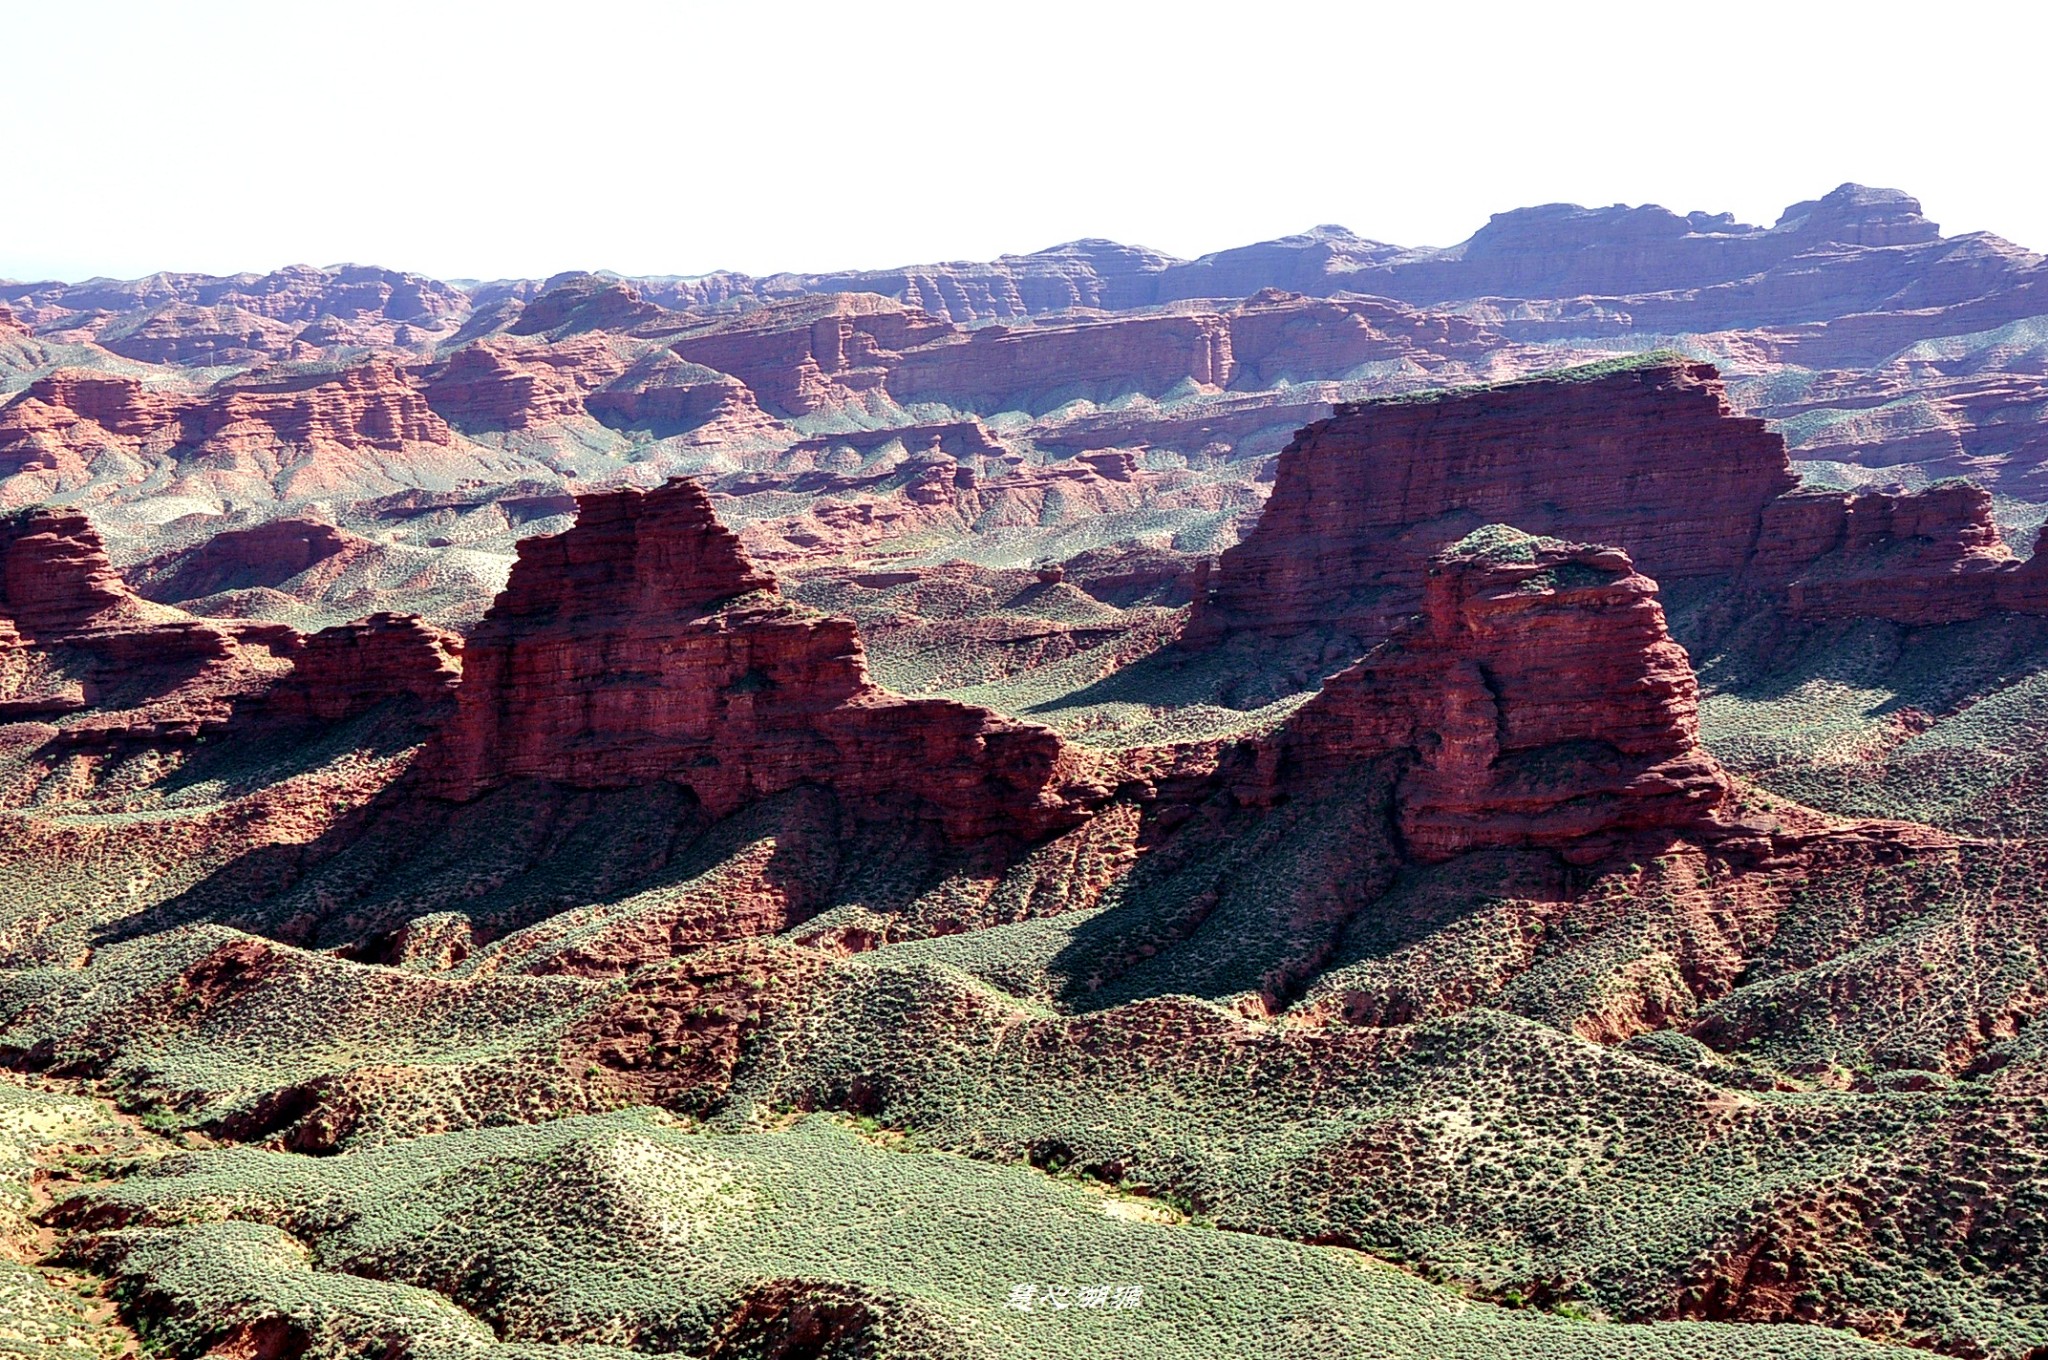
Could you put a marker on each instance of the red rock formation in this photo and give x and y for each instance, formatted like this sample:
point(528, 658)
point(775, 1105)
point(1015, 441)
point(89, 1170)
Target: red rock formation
point(267, 554)
point(55, 579)
point(642, 645)
point(931, 491)
point(805, 356)
point(119, 404)
point(1540, 701)
point(587, 302)
point(351, 668)
point(182, 334)
point(502, 384)
point(1925, 557)
point(65, 416)
point(1646, 457)
point(667, 395)
point(76, 638)
point(368, 407)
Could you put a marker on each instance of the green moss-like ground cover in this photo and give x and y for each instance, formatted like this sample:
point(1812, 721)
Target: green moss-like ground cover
point(624, 1230)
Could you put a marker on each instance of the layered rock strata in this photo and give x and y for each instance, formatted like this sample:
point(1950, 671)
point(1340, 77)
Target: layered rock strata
point(347, 670)
point(75, 638)
point(643, 645)
point(1647, 456)
point(1538, 698)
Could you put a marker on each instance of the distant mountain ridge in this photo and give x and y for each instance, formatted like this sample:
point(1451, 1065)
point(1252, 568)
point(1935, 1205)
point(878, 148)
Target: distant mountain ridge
point(1857, 249)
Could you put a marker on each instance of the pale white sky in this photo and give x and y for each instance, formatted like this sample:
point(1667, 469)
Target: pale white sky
point(503, 139)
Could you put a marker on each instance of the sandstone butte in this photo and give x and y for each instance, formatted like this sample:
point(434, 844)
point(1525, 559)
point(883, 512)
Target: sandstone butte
point(1647, 456)
point(1538, 699)
point(643, 645)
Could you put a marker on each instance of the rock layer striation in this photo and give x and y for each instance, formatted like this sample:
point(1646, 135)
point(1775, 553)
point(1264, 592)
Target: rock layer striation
point(643, 645)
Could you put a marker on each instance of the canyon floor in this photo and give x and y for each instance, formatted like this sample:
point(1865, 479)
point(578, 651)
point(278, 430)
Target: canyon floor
point(1329, 799)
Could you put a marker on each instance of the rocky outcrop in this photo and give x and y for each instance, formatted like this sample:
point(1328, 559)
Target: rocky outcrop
point(371, 406)
point(1926, 557)
point(666, 395)
point(643, 646)
point(813, 354)
point(349, 669)
point(261, 555)
point(55, 579)
point(805, 356)
point(74, 638)
point(1537, 698)
point(587, 302)
point(65, 416)
point(1647, 457)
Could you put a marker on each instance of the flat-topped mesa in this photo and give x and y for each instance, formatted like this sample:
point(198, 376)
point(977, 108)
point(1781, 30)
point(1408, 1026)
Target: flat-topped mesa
point(1537, 695)
point(1647, 456)
point(642, 645)
point(1914, 557)
point(348, 669)
point(1644, 454)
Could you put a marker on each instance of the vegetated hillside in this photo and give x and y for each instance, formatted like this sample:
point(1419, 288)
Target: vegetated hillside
point(901, 834)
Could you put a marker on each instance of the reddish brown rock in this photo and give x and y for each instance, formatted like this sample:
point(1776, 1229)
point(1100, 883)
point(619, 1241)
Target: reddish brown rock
point(505, 384)
point(1648, 457)
point(812, 354)
point(261, 555)
point(180, 333)
point(642, 646)
point(63, 417)
point(1538, 698)
point(351, 668)
point(585, 302)
point(371, 406)
point(1925, 557)
point(77, 639)
point(55, 579)
point(667, 395)
point(119, 404)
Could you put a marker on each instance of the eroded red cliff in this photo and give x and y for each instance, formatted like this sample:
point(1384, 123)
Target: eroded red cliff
point(1538, 697)
point(643, 645)
point(349, 669)
point(1647, 456)
point(74, 638)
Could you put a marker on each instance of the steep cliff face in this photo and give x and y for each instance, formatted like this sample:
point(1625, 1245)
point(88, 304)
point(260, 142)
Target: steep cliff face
point(351, 668)
point(1926, 557)
point(643, 646)
point(1646, 456)
point(55, 579)
point(1649, 458)
point(1538, 697)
